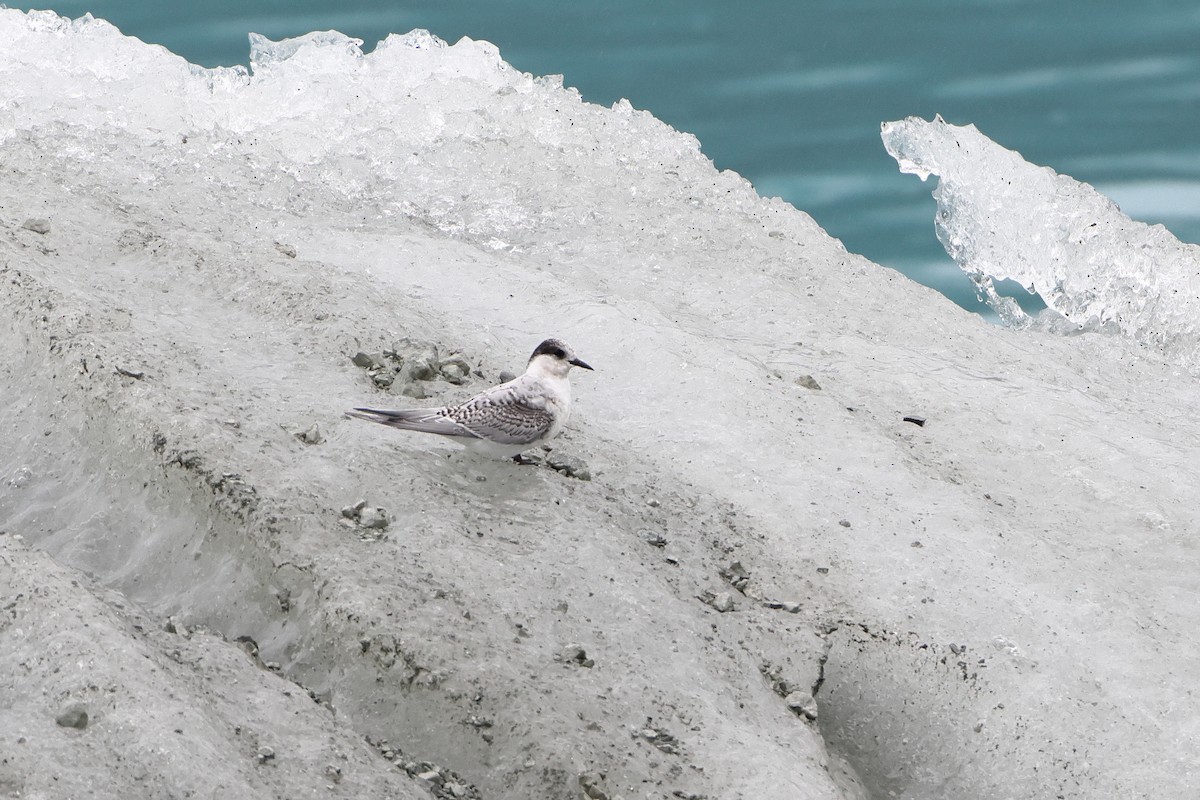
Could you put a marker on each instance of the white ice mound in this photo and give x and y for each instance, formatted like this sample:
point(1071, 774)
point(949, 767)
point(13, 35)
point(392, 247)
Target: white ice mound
point(1001, 217)
point(449, 136)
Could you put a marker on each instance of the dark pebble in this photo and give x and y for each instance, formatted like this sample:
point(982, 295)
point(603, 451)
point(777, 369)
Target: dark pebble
point(73, 716)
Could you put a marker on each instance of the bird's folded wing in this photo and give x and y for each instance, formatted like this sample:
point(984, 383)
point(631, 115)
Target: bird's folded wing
point(504, 417)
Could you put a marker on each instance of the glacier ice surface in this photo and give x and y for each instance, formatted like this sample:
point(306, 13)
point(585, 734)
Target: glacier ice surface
point(1007, 611)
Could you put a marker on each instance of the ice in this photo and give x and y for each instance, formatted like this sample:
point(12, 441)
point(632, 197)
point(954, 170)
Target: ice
point(994, 604)
point(1002, 217)
point(264, 53)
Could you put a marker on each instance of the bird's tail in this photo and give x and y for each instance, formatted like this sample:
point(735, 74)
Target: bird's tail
point(426, 420)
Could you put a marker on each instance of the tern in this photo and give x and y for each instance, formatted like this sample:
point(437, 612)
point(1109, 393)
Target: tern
point(503, 421)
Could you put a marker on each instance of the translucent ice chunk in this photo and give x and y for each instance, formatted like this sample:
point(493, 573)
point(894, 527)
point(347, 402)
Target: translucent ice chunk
point(1002, 217)
point(264, 52)
point(417, 39)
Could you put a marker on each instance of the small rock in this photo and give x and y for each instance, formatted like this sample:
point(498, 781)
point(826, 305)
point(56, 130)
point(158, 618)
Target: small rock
point(248, 644)
point(422, 367)
point(653, 538)
point(175, 626)
point(845, 523)
point(737, 575)
point(455, 369)
point(73, 716)
point(506, 376)
point(265, 754)
point(802, 703)
point(456, 790)
point(410, 388)
point(808, 382)
point(791, 607)
point(311, 436)
point(383, 378)
point(408, 349)
point(352, 512)
point(569, 465)
point(286, 249)
point(432, 778)
point(21, 477)
point(37, 225)
point(918, 421)
point(737, 570)
point(575, 654)
point(455, 374)
point(136, 374)
point(334, 773)
point(653, 502)
point(591, 785)
point(722, 601)
point(661, 739)
point(373, 517)
point(529, 459)
point(367, 361)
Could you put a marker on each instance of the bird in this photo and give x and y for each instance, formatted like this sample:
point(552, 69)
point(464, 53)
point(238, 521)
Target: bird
point(505, 420)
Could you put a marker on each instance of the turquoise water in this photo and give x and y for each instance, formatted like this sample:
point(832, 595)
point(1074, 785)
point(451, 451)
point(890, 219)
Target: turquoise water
point(791, 94)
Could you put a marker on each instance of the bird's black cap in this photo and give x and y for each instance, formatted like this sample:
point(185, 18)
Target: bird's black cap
point(558, 349)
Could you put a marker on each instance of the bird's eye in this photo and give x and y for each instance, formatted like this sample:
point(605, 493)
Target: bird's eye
point(559, 353)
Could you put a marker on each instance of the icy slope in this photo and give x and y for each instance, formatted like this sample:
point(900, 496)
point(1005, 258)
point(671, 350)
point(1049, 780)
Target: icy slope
point(992, 605)
point(103, 702)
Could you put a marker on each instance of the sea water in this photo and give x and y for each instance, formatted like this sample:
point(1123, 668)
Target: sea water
point(791, 95)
